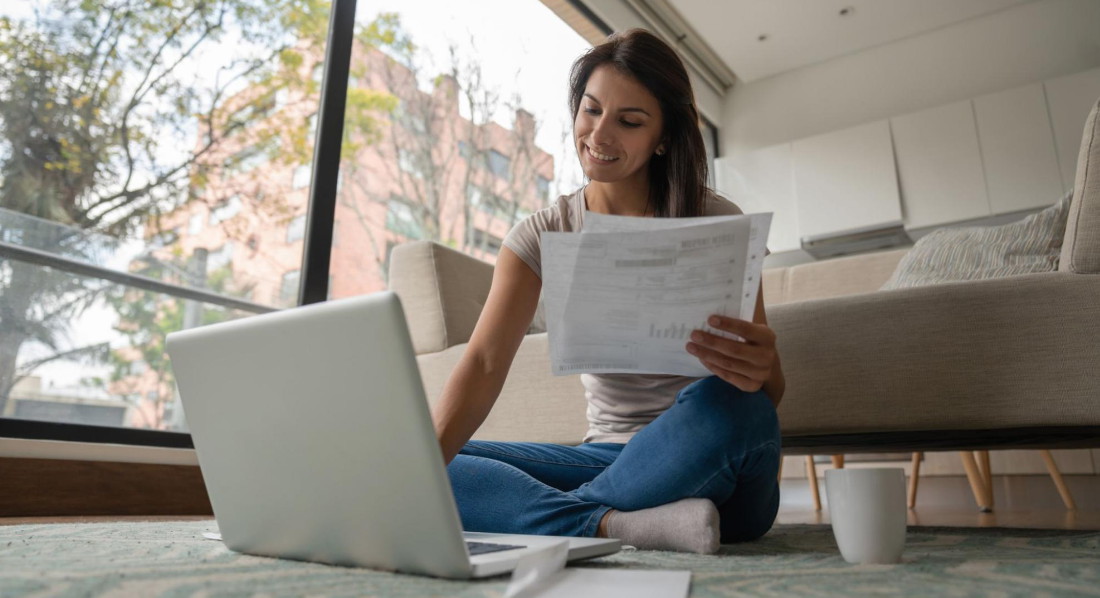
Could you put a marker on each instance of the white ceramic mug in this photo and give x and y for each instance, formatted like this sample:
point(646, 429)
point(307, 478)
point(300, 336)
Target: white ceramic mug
point(867, 509)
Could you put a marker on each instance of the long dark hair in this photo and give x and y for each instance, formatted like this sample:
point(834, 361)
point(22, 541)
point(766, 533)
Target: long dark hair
point(678, 178)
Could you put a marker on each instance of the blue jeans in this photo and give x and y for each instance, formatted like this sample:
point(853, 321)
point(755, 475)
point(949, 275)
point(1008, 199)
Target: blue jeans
point(715, 442)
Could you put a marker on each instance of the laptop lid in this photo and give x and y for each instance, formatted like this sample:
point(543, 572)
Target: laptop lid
point(315, 440)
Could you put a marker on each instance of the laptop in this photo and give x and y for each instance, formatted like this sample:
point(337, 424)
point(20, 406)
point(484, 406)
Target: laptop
point(316, 443)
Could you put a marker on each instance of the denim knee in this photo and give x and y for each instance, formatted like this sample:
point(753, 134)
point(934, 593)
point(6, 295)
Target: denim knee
point(730, 412)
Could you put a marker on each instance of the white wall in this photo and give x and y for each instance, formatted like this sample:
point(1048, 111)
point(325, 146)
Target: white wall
point(1023, 44)
point(620, 16)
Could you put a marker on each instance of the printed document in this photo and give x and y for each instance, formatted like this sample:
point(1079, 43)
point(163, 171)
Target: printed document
point(542, 574)
point(624, 294)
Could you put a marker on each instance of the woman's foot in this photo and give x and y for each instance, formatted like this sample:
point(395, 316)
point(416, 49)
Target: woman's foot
point(688, 525)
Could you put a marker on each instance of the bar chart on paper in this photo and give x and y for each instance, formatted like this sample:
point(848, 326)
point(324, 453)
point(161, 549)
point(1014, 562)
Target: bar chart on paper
point(676, 331)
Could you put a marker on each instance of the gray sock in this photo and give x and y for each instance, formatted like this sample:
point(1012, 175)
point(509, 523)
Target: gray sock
point(688, 525)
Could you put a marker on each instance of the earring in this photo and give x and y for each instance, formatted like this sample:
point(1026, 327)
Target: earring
point(660, 151)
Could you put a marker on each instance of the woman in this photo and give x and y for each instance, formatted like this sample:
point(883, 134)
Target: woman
point(670, 462)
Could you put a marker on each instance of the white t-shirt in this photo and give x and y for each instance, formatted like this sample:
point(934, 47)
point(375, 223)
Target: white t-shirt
point(619, 405)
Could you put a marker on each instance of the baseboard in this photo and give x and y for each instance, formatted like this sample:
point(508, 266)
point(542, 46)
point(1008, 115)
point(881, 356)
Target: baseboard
point(67, 487)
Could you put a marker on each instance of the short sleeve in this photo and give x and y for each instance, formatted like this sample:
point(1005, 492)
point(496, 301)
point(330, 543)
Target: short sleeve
point(525, 241)
point(525, 238)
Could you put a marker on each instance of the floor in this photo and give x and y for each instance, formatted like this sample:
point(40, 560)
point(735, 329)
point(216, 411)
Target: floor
point(1028, 501)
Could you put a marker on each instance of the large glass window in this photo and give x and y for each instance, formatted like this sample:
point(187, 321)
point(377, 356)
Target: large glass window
point(468, 130)
point(147, 150)
point(155, 170)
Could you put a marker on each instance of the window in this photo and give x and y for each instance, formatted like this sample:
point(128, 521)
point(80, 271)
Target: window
point(710, 144)
point(225, 210)
point(414, 122)
point(474, 195)
point(221, 120)
point(542, 184)
point(487, 242)
point(409, 163)
point(500, 165)
point(194, 225)
point(165, 238)
point(297, 229)
point(288, 290)
point(220, 258)
point(301, 176)
point(246, 160)
point(401, 219)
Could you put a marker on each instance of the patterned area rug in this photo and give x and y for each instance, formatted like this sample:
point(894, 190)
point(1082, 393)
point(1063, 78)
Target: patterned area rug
point(172, 559)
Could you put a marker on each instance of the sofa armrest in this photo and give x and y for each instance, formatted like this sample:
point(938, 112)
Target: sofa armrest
point(442, 292)
point(1017, 352)
point(534, 405)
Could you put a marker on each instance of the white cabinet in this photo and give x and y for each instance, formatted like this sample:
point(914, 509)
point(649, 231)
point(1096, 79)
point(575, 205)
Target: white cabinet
point(1070, 99)
point(1014, 132)
point(846, 180)
point(763, 181)
point(939, 166)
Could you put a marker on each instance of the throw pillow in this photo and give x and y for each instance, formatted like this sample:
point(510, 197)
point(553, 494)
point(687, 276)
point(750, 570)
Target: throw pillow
point(1033, 244)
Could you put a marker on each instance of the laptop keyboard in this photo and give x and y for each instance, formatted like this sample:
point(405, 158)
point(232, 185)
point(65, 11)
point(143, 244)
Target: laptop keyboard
point(476, 548)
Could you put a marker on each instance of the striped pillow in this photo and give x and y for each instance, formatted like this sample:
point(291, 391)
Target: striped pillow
point(1033, 244)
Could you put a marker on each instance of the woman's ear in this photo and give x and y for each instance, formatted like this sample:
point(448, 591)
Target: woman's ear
point(660, 151)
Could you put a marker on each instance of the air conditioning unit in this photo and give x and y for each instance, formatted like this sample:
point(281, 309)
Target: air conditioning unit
point(856, 240)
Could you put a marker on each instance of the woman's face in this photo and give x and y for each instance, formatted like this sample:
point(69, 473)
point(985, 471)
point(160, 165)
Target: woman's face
point(618, 126)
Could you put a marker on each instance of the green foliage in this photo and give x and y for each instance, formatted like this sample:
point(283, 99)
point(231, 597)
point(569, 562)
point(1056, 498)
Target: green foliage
point(114, 113)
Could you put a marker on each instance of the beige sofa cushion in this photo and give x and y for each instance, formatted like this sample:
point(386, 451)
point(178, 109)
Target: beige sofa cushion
point(1002, 353)
point(442, 292)
point(1032, 244)
point(841, 276)
point(534, 405)
point(1081, 249)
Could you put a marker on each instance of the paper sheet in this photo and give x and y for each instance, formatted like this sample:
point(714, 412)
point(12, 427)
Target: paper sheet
point(625, 294)
point(542, 574)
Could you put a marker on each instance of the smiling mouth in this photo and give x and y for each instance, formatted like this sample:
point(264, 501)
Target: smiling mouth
point(599, 156)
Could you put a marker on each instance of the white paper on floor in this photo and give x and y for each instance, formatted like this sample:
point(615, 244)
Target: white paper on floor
point(542, 574)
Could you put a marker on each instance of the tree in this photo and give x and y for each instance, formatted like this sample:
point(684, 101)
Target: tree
point(435, 160)
point(146, 318)
point(100, 108)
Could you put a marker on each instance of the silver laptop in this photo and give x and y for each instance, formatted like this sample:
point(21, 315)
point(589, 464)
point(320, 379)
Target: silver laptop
point(315, 442)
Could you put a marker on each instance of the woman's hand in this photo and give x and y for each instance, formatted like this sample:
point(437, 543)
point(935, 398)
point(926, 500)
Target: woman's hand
point(745, 364)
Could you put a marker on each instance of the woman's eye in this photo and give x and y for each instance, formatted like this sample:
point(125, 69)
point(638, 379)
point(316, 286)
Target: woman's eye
point(632, 125)
point(591, 111)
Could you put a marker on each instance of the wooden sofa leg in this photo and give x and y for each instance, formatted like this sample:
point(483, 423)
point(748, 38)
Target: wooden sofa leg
point(838, 461)
point(1059, 482)
point(914, 477)
point(987, 475)
point(977, 484)
point(811, 475)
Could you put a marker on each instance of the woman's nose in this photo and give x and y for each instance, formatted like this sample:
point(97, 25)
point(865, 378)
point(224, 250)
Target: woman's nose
point(601, 131)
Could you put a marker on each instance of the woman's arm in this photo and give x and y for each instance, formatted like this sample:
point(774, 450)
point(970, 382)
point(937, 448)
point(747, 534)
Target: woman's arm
point(752, 364)
point(475, 383)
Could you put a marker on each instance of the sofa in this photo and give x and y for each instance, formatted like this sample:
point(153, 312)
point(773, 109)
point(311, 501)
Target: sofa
point(986, 364)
